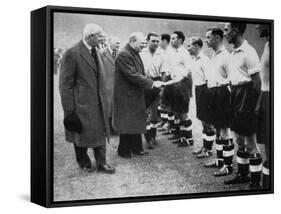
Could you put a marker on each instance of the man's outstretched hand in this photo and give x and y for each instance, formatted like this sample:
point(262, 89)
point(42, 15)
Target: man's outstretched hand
point(158, 84)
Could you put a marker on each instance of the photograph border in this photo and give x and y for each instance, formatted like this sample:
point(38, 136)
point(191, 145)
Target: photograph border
point(42, 114)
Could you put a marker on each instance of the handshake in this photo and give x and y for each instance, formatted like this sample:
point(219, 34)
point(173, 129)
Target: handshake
point(158, 84)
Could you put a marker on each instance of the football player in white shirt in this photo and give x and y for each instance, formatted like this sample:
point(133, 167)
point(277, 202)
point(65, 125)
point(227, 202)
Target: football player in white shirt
point(153, 65)
point(201, 70)
point(264, 105)
point(245, 91)
point(178, 90)
point(167, 117)
point(218, 85)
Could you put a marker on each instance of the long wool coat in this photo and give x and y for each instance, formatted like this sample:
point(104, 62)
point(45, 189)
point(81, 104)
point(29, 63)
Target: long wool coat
point(128, 104)
point(82, 89)
point(109, 68)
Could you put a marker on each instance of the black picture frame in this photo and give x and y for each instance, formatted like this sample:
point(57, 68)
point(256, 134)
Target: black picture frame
point(42, 104)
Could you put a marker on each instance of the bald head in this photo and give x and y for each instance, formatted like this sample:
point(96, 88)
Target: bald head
point(91, 29)
point(137, 41)
point(93, 35)
point(136, 36)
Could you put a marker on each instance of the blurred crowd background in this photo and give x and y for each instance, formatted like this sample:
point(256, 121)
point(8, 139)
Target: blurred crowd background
point(68, 28)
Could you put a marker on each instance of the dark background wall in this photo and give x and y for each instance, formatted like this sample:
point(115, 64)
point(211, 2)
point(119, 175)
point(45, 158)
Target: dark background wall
point(68, 28)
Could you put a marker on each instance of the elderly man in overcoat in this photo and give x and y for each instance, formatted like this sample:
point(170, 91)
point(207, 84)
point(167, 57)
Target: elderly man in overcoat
point(109, 54)
point(83, 97)
point(129, 117)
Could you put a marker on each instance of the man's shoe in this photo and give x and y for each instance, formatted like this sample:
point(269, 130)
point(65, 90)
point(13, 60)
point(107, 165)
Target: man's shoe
point(238, 179)
point(255, 186)
point(205, 154)
point(185, 142)
point(163, 127)
point(160, 124)
point(174, 137)
point(216, 163)
point(224, 171)
point(106, 169)
point(176, 141)
point(142, 153)
point(125, 155)
point(87, 169)
point(198, 151)
point(168, 132)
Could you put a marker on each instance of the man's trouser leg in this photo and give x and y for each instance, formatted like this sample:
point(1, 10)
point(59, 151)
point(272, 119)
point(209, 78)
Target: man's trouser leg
point(82, 157)
point(125, 145)
point(100, 155)
point(137, 143)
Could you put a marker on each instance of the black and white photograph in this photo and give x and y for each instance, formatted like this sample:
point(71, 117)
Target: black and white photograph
point(147, 106)
point(140, 107)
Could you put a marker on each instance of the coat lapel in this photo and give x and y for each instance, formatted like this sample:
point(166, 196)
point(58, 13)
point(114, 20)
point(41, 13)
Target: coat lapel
point(98, 73)
point(108, 55)
point(137, 58)
point(87, 57)
point(103, 92)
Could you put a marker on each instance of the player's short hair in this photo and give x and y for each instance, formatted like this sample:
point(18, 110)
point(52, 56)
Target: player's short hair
point(196, 41)
point(216, 31)
point(240, 26)
point(166, 37)
point(151, 34)
point(180, 35)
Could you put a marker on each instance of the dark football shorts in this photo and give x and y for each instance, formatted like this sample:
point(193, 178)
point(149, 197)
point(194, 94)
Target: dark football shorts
point(243, 109)
point(263, 110)
point(220, 106)
point(202, 99)
point(150, 95)
point(177, 95)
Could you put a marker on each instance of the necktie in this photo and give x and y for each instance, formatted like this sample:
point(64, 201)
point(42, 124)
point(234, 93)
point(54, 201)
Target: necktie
point(94, 55)
point(114, 54)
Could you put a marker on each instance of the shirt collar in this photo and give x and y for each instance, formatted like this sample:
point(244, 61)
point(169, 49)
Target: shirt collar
point(110, 50)
point(221, 49)
point(147, 51)
point(242, 47)
point(169, 47)
point(177, 49)
point(199, 56)
point(87, 46)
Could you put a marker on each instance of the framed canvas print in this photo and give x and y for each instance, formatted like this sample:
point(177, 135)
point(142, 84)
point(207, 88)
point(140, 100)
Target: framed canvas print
point(134, 106)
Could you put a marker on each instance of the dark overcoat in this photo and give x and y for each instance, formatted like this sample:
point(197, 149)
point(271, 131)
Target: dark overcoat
point(82, 90)
point(109, 68)
point(129, 104)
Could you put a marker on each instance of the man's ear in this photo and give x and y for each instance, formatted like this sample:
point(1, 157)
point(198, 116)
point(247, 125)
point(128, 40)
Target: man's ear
point(197, 46)
point(236, 30)
point(217, 37)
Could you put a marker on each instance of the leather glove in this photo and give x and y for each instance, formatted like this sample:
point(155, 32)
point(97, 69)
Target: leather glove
point(72, 123)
